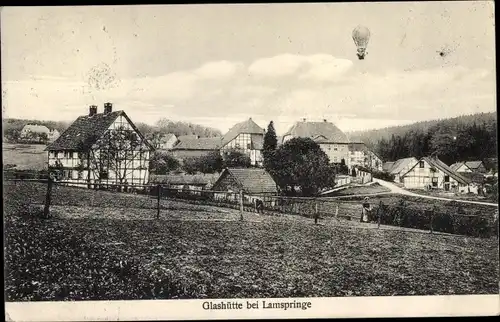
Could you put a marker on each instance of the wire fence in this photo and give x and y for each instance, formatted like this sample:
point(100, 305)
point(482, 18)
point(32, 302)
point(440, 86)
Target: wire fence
point(156, 197)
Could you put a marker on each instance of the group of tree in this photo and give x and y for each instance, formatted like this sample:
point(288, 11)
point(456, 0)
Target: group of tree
point(12, 129)
point(450, 140)
point(299, 166)
point(155, 133)
point(371, 137)
point(212, 162)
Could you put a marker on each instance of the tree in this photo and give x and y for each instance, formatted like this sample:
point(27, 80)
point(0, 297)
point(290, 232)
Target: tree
point(235, 158)
point(209, 163)
point(270, 145)
point(115, 153)
point(163, 163)
point(300, 162)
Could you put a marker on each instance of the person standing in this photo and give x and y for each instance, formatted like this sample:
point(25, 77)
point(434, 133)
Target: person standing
point(365, 210)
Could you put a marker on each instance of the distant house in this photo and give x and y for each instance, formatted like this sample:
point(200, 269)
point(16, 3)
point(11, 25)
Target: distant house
point(330, 138)
point(247, 137)
point(168, 142)
point(432, 173)
point(185, 182)
point(251, 181)
point(469, 166)
point(402, 166)
point(40, 133)
point(187, 137)
point(477, 182)
point(195, 147)
point(101, 149)
point(361, 155)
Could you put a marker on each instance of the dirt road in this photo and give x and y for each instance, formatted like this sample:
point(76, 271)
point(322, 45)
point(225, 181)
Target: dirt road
point(395, 189)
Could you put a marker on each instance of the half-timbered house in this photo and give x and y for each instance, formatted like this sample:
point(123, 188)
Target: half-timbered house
point(101, 149)
point(247, 137)
point(432, 173)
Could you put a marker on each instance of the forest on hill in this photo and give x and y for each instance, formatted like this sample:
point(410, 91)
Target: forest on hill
point(12, 128)
point(468, 137)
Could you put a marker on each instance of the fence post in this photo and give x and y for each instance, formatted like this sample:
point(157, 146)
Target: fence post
point(316, 213)
point(379, 213)
point(241, 205)
point(158, 192)
point(46, 208)
point(432, 220)
point(336, 211)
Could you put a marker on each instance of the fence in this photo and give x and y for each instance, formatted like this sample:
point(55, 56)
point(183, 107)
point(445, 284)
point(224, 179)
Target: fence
point(452, 220)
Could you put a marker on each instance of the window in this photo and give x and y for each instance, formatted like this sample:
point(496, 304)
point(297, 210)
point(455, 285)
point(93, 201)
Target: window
point(421, 164)
point(446, 178)
point(104, 174)
point(434, 181)
point(75, 155)
point(74, 175)
point(79, 174)
point(249, 146)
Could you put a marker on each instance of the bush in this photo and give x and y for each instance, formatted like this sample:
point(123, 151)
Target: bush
point(474, 225)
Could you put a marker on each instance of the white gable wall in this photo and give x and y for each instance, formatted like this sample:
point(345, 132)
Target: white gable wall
point(422, 177)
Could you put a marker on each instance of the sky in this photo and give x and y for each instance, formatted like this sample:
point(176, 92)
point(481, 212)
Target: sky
point(216, 65)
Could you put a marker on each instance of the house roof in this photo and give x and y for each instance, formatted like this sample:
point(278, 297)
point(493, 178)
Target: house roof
point(316, 130)
point(401, 164)
point(387, 166)
point(455, 166)
point(248, 126)
point(473, 164)
point(252, 180)
point(187, 137)
point(86, 130)
point(357, 146)
point(473, 177)
point(440, 165)
point(36, 128)
point(178, 179)
point(199, 144)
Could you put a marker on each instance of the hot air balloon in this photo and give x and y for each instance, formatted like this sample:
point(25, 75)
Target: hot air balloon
point(361, 36)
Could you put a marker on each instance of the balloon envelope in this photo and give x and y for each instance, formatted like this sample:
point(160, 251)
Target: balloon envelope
point(361, 36)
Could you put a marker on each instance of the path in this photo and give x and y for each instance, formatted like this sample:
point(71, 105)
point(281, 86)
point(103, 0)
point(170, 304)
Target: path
point(395, 189)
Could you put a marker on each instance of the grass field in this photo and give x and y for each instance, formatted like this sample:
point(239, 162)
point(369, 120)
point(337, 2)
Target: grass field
point(25, 156)
point(195, 251)
point(359, 190)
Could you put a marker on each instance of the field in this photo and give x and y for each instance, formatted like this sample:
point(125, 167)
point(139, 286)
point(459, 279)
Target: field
point(25, 156)
point(360, 190)
point(119, 251)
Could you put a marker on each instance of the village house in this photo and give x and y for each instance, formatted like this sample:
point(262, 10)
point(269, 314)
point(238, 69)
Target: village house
point(330, 138)
point(195, 147)
point(400, 167)
point(38, 132)
point(247, 137)
point(167, 142)
point(101, 149)
point(255, 184)
point(469, 166)
point(432, 173)
point(361, 155)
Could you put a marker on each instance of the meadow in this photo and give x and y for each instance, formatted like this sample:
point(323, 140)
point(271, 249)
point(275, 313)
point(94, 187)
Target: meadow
point(102, 245)
point(25, 156)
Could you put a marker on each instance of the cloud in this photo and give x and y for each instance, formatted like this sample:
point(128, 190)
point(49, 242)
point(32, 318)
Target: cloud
point(318, 67)
point(217, 70)
point(315, 86)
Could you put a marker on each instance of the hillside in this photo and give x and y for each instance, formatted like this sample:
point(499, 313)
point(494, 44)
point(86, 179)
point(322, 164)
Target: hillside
point(371, 137)
point(12, 127)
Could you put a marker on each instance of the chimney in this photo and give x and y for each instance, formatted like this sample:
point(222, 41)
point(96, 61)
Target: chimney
point(304, 119)
point(108, 108)
point(324, 120)
point(92, 110)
